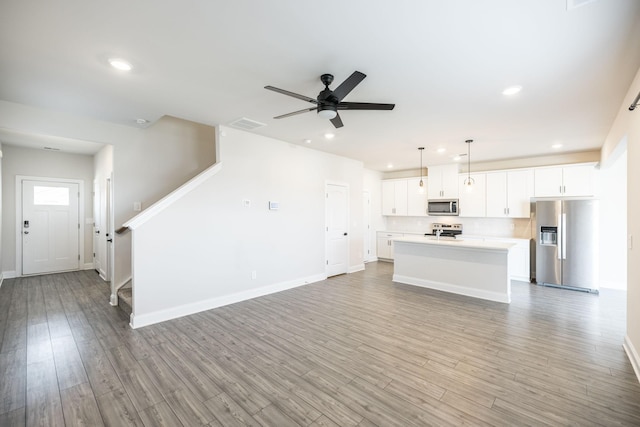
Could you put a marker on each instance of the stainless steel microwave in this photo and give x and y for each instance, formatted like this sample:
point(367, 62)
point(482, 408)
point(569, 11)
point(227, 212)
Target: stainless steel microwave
point(443, 207)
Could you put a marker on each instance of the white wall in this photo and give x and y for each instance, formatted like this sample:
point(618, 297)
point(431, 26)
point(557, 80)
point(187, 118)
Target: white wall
point(372, 182)
point(210, 243)
point(1, 215)
point(41, 163)
point(627, 128)
point(613, 221)
point(148, 167)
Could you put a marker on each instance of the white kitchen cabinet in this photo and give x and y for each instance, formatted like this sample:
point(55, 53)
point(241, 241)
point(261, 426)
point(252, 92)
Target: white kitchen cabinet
point(509, 193)
point(394, 197)
point(443, 182)
point(564, 181)
point(473, 202)
point(385, 244)
point(416, 197)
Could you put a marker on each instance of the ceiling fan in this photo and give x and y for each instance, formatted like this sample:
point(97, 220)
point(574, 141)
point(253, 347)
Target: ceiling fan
point(329, 101)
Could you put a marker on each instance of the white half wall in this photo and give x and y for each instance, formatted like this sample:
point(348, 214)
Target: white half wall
point(220, 243)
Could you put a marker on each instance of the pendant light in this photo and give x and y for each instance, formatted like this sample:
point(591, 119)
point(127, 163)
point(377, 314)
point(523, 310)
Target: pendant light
point(468, 183)
point(421, 188)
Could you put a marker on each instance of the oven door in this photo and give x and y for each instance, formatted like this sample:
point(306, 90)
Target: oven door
point(443, 207)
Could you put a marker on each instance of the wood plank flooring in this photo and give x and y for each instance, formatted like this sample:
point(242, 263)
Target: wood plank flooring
point(354, 350)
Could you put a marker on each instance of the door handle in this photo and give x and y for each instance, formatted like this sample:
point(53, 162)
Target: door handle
point(109, 240)
point(344, 234)
point(26, 232)
point(97, 231)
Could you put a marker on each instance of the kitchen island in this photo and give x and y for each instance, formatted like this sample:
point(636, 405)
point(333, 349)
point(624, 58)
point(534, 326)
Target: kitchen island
point(473, 268)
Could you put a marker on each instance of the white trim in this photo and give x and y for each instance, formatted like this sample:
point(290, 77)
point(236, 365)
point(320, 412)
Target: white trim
point(633, 355)
point(1, 276)
point(138, 321)
point(355, 268)
point(88, 266)
point(455, 289)
point(172, 197)
point(9, 274)
point(81, 233)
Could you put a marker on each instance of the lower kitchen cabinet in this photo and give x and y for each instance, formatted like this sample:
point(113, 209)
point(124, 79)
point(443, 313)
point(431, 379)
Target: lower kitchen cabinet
point(385, 244)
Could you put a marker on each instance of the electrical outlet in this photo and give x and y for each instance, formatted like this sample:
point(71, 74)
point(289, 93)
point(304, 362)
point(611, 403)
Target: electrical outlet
point(254, 275)
point(137, 206)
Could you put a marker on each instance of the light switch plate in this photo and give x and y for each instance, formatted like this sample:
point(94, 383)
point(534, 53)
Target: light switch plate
point(137, 206)
point(274, 206)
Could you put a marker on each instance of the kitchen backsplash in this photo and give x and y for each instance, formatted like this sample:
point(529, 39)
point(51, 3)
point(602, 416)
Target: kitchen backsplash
point(497, 227)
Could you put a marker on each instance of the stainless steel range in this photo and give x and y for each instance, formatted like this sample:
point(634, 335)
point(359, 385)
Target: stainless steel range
point(445, 230)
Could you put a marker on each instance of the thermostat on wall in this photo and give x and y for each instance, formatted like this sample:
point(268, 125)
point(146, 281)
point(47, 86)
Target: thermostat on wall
point(274, 206)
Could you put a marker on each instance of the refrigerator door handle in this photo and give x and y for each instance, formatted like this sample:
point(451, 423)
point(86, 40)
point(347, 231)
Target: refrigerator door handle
point(560, 237)
point(564, 236)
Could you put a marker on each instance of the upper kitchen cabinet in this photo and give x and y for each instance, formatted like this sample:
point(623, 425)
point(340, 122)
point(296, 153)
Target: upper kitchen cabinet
point(394, 197)
point(509, 193)
point(443, 182)
point(565, 181)
point(416, 197)
point(473, 202)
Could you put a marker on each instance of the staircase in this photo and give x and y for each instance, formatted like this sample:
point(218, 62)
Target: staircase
point(125, 298)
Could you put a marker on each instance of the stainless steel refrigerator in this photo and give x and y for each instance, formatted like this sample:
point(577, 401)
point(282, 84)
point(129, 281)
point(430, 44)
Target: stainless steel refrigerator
point(567, 244)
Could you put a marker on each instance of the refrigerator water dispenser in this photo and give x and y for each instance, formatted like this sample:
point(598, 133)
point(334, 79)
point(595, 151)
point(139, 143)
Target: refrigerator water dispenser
point(548, 236)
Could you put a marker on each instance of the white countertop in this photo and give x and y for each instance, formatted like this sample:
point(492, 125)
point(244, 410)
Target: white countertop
point(457, 243)
point(462, 236)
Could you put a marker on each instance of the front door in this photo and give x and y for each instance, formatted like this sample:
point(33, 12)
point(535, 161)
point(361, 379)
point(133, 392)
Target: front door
point(337, 226)
point(50, 227)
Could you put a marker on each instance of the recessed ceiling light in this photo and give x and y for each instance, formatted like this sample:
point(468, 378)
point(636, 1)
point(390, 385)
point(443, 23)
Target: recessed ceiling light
point(556, 146)
point(307, 141)
point(457, 158)
point(512, 90)
point(329, 135)
point(142, 121)
point(389, 166)
point(441, 150)
point(120, 64)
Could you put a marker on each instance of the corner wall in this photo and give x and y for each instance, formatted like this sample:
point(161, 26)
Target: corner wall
point(213, 241)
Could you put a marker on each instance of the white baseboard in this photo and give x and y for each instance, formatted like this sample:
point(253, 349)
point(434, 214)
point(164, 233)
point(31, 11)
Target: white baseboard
point(140, 320)
point(633, 355)
point(454, 289)
point(1, 279)
point(88, 266)
point(113, 300)
point(356, 268)
point(9, 274)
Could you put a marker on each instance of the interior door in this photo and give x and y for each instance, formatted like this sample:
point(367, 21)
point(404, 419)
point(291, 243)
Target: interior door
point(366, 206)
point(50, 227)
point(337, 229)
point(97, 227)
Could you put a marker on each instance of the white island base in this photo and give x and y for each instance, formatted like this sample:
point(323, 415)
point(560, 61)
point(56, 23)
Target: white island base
point(473, 268)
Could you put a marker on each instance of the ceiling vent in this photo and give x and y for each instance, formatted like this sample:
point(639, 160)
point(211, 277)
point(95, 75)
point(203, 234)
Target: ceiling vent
point(246, 124)
point(573, 4)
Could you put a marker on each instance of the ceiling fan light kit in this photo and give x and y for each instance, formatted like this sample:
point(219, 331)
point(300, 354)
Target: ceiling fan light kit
point(328, 101)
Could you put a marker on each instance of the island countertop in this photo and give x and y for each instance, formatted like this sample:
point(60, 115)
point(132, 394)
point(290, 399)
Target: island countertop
point(459, 242)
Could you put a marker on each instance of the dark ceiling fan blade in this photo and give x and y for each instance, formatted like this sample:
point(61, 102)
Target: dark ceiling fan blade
point(347, 86)
point(295, 95)
point(337, 121)
point(364, 106)
point(306, 110)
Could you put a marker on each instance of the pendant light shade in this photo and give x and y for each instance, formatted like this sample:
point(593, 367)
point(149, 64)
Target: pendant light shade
point(468, 183)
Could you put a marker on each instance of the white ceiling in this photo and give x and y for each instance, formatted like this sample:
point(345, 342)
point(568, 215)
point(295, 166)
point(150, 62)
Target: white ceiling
point(443, 63)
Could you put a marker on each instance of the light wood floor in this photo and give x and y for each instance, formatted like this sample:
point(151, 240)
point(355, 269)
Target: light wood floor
point(355, 350)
